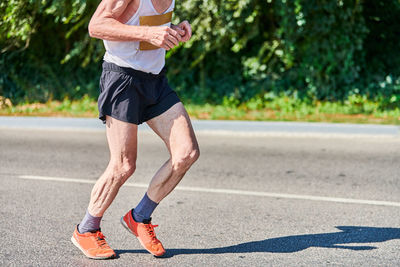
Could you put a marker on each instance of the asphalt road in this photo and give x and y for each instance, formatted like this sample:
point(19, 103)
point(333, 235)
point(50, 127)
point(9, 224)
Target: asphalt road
point(310, 221)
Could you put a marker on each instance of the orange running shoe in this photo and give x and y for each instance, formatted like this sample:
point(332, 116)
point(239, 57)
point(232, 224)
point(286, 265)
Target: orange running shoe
point(93, 245)
point(145, 233)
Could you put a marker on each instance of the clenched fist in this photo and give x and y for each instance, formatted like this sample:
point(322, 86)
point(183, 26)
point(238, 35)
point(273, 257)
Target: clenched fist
point(184, 29)
point(164, 37)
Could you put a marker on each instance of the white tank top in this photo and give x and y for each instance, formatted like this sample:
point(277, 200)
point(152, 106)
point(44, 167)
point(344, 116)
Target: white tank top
point(127, 54)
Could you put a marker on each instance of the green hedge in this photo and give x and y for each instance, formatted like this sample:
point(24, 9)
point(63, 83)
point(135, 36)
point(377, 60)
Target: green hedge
point(240, 50)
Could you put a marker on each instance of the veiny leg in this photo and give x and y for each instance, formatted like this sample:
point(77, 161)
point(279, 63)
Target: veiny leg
point(122, 141)
point(175, 129)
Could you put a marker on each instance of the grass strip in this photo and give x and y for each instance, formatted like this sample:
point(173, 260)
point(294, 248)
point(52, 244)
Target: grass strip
point(278, 109)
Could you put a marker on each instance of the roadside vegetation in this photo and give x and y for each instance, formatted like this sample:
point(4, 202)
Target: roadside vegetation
point(355, 109)
point(307, 60)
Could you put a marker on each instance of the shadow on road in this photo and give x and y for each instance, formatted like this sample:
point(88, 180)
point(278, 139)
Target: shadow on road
point(290, 244)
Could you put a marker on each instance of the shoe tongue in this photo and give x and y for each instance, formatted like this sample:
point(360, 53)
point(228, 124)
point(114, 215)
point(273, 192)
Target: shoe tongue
point(147, 221)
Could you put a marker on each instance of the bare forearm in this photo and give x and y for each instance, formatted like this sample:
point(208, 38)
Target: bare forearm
point(112, 30)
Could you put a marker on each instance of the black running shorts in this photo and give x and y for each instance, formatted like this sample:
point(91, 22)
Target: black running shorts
point(133, 96)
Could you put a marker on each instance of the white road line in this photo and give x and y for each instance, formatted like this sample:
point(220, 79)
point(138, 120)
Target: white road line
point(230, 191)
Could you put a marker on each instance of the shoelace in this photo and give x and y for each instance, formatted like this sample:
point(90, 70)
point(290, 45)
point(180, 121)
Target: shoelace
point(150, 230)
point(101, 240)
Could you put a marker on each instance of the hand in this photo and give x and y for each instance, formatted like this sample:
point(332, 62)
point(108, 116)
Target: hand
point(163, 36)
point(184, 29)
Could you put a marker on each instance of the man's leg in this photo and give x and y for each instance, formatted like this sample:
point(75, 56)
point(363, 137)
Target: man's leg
point(175, 129)
point(122, 141)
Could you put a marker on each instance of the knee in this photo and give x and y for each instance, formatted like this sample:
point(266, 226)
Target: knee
point(182, 162)
point(121, 171)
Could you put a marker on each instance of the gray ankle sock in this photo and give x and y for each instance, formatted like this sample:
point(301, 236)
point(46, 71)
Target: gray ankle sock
point(89, 223)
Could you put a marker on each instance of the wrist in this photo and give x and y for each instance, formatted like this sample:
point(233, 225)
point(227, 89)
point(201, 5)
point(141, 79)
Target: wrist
point(145, 34)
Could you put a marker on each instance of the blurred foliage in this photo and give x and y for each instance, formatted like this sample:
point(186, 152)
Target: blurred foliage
point(241, 50)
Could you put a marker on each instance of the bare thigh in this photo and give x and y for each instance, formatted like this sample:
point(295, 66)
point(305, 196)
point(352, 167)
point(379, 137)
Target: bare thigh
point(122, 141)
point(175, 129)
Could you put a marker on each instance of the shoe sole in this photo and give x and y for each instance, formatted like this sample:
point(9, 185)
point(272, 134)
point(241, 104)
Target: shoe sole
point(141, 243)
point(87, 255)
